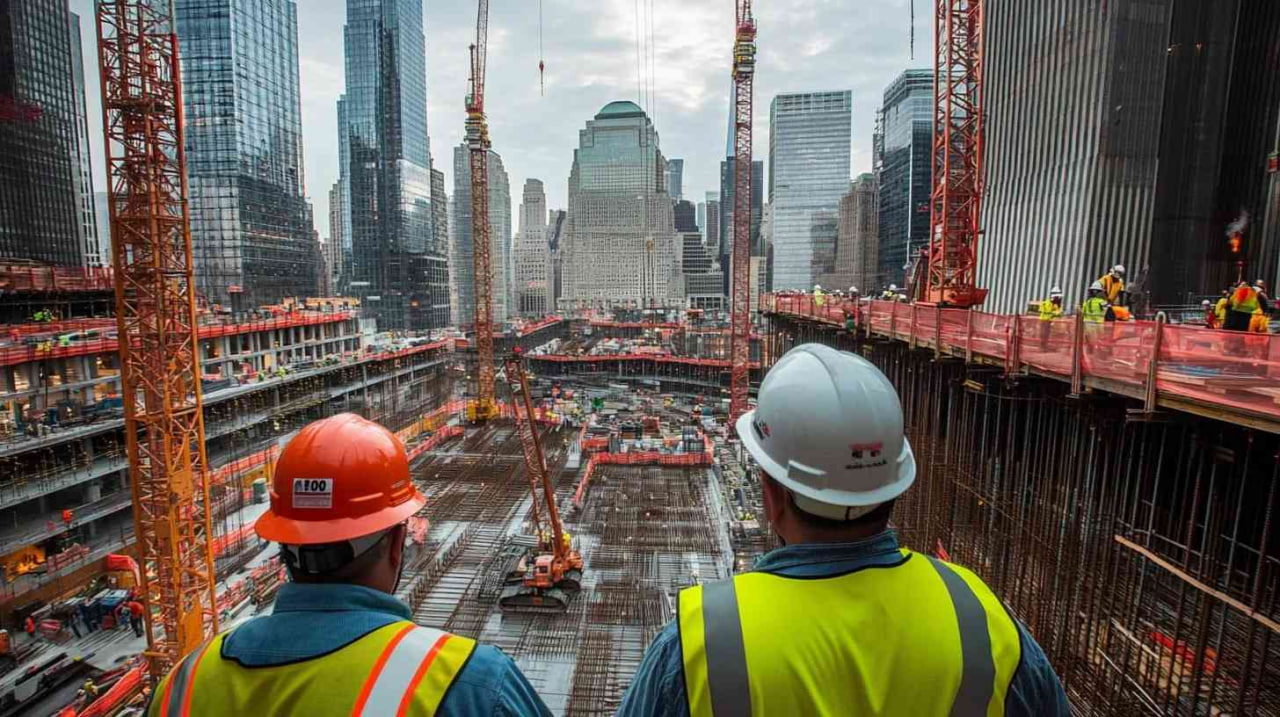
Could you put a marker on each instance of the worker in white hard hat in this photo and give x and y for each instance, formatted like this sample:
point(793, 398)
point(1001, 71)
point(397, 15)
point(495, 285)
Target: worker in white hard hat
point(813, 630)
point(818, 297)
point(1113, 285)
point(890, 294)
point(1050, 309)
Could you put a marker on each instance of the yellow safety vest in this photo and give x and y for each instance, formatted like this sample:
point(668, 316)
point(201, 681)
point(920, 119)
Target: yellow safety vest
point(1049, 310)
point(1094, 310)
point(919, 638)
point(399, 669)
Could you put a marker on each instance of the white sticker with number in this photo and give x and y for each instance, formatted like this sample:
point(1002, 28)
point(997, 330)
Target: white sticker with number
point(313, 493)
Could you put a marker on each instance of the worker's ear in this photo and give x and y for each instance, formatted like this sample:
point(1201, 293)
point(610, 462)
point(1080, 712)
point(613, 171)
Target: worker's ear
point(397, 538)
point(775, 497)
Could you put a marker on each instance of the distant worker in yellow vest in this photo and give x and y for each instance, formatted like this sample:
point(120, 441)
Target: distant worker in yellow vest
point(1220, 309)
point(812, 630)
point(338, 641)
point(1050, 309)
point(1096, 308)
point(818, 297)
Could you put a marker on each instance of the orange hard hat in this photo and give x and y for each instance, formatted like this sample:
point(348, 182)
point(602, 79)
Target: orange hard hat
point(340, 478)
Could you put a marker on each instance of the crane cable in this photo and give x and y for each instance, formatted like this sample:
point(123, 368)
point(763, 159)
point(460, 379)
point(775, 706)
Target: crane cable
point(542, 64)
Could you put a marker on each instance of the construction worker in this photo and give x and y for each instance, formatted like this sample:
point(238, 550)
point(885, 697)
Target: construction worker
point(1050, 309)
point(1220, 309)
point(890, 294)
point(1210, 314)
point(338, 641)
point(1245, 302)
point(812, 631)
point(1113, 285)
point(1096, 308)
point(818, 298)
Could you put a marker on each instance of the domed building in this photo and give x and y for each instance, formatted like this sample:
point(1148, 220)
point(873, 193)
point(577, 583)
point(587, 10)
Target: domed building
point(620, 242)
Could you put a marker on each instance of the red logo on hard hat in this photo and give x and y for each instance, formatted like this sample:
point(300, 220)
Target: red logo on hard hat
point(866, 450)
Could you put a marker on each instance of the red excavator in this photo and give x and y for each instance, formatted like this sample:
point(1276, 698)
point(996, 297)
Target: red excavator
point(549, 573)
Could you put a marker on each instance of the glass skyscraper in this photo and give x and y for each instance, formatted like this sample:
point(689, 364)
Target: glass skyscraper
point(397, 266)
point(906, 180)
point(251, 225)
point(809, 159)
point(726, 214)
point(620, 247)
point(46, 191)
point(462, 252)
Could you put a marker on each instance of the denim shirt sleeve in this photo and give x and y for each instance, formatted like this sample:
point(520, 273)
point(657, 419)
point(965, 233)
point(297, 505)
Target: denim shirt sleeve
point(491, 685)
point(658, 686)
point(1035, 688)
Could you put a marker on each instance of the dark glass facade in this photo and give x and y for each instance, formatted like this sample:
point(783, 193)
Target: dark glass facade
point(906, 179)
point(726, 213)
point(385, 166)
point(41, 121)
point(252, 233)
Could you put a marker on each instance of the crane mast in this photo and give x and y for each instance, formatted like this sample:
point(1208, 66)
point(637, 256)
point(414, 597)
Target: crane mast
point(744, 66)
point(534, 459)
point(956, 204)
point(477, 138)
point(156, 318)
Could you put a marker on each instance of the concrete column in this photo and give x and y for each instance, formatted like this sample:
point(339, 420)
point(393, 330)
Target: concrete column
point(92, 491)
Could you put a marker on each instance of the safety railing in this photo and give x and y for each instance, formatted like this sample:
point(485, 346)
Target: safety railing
point(18, 278)
point(56, 347)
point(1228, 369)
point(642, 458)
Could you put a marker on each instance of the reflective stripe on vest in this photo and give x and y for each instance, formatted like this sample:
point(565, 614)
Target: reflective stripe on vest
point(770, 659)
point(398, 669)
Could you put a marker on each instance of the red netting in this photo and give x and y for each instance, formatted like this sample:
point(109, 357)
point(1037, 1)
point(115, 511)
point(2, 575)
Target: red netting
point(1046, 345)
point(1222, 367)
point(1118, 350)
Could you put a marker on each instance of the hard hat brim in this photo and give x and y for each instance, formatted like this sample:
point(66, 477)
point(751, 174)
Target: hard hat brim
point(277, 529)
point(906, 472)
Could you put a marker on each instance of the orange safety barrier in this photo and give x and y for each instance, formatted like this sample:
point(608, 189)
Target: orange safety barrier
point(1228, 369)
point(642, 458)
point(220, 474)
point(434, 440)
point(49, 279)
point(658, 358)
point(232, 540)
point(14, 355)
point(538, 326)
point(120, 693)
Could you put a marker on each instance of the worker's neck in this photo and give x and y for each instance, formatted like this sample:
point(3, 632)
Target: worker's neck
point(809, 535)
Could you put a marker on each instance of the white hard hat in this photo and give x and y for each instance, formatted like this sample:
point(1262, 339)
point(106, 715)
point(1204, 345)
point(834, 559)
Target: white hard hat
point(1205, 303)
point(829, 428)
point(853, 290)
point(1055, 291)
point(1118, 270)
point(1095, 286)
point(893, 287)
point(817, 287)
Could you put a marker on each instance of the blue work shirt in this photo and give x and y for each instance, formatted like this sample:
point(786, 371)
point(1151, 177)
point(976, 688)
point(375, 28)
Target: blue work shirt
point(658, 687)
point(310, 621)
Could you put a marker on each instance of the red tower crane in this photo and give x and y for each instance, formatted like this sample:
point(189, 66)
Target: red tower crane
point(156, 317)
point(477, 138)
point(956, 206)
point(549, 576)
point(744, 68)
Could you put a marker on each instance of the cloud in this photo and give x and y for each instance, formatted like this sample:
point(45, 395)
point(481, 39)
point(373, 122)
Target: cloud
point(589, 47)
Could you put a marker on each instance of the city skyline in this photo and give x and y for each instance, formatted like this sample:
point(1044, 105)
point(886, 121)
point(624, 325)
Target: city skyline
point(536, 134)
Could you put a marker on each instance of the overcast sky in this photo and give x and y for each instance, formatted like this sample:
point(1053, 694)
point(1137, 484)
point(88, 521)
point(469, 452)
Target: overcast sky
point(590, 52)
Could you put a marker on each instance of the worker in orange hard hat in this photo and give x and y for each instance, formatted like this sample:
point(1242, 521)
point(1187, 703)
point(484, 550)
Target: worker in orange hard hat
point(338, 641)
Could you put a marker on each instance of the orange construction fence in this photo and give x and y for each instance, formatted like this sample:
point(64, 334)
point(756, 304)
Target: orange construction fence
point(642, 458)
point(1228, 369)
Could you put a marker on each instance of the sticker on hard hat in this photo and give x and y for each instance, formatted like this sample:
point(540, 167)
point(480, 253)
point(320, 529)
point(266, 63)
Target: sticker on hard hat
point(866, 455)
point(313, 493)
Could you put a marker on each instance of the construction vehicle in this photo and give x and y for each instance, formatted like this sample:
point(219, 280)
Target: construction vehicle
point(548, 575)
